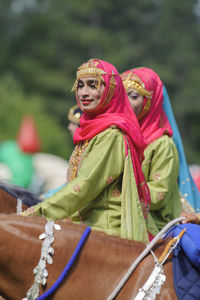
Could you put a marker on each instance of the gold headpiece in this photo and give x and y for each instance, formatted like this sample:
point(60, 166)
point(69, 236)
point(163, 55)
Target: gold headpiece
point(132, 81)
point(89, 69)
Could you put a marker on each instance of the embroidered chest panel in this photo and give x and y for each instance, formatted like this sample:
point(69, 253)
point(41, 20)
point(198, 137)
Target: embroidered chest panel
point(76, 159)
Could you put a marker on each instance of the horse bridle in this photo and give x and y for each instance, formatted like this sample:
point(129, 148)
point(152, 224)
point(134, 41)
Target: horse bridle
point(141, 256)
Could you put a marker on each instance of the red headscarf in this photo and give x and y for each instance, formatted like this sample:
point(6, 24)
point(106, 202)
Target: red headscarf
point(114, 109)
point(153, 120)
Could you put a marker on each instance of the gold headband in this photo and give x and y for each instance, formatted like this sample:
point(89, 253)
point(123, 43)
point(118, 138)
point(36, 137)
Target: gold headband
point(89, 69)
point(132, 81)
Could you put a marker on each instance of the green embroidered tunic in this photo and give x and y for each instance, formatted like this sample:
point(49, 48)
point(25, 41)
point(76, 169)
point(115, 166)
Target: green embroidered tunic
point(104, 194)
point(161, 168)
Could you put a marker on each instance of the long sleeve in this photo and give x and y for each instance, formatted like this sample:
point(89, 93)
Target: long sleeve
point(161, 167)
point(102, 164)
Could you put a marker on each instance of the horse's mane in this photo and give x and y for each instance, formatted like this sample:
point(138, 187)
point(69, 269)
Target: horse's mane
point(28, 198)
point(98, 235)
point(67, 225)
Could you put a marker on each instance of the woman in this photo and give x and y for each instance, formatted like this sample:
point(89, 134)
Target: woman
point(106, 187)
point(161, 165)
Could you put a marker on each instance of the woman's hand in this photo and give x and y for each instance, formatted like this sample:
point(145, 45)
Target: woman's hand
point(190, 218)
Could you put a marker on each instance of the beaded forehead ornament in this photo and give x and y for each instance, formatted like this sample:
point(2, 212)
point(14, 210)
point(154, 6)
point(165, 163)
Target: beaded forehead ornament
point(90, 69)
point(132, 81)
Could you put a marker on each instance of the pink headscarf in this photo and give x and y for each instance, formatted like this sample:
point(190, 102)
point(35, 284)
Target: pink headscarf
point(154, 122)
point(116, 111)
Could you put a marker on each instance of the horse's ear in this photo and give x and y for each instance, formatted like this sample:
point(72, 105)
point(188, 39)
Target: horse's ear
point(28, 137)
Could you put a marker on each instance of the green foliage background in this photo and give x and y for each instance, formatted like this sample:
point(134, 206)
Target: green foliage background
point(44, 41)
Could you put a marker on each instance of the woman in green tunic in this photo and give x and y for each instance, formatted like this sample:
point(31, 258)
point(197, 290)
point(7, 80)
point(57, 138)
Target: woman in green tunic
point(161, 165)
point(106, 188)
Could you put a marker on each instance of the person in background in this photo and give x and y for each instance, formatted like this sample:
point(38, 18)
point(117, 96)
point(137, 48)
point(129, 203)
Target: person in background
point(106, 187)
point(74, 115)
point(161, 165)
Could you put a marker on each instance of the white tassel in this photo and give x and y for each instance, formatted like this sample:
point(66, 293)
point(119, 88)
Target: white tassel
point(19, 206)
point(153, 285)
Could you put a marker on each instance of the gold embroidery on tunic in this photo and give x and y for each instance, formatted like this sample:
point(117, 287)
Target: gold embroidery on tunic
point(116, 193)
point(156, 176)
point(110, 180)
point(160, 196)
point(76, 159)
point(76, 188)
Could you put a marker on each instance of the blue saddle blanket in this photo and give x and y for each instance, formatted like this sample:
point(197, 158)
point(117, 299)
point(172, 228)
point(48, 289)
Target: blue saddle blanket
point(186, 276)
point(186, 262)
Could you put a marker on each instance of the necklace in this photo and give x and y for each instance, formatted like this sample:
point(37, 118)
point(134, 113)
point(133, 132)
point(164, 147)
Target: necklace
point(76, 159)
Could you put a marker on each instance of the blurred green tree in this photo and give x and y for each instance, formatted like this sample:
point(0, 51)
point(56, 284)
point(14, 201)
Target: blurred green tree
point(15, 104)
point(43, 42)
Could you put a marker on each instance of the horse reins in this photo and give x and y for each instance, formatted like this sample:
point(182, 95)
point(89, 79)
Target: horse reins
point(157, 278)
point(68, 266)
point(141, 256)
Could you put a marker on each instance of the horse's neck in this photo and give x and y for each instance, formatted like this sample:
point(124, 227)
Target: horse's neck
point(113, 250)
point(100, 266)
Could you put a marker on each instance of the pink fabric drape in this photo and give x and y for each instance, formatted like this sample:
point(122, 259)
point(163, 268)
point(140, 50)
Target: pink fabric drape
point(117, 112)
point(155, 123)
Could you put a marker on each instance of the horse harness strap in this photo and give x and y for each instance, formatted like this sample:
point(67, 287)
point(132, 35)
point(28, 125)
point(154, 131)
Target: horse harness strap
point(170, 246)
point(141, 256)
point(40, 270)
point(153, 285)
point(47, 251)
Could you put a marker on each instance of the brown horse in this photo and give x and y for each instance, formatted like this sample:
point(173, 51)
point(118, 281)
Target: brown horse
point(101, 264)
